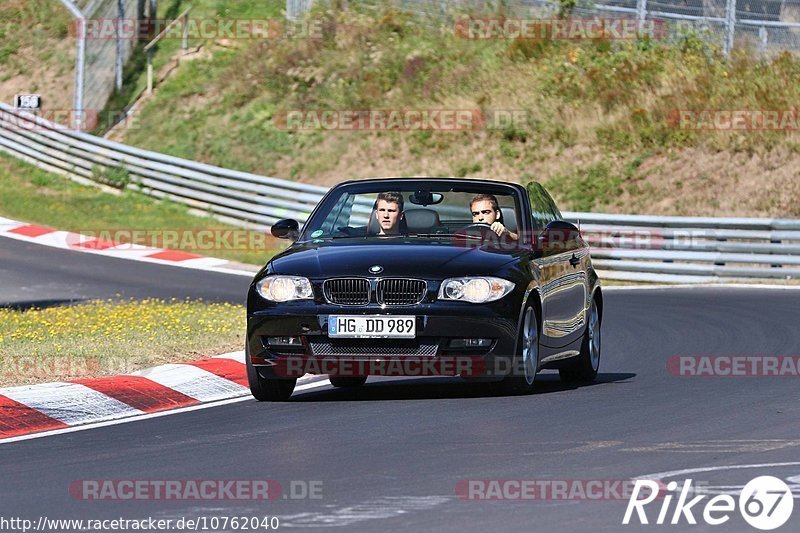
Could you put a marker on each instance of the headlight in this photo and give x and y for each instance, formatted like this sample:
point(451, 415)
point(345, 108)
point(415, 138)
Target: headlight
point(285, 288)
point(477, 290)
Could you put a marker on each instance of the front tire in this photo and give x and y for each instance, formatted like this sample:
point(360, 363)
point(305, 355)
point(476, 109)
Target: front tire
point(267, 389)
point(347, 383)
point(528, 360)
point(585, 368)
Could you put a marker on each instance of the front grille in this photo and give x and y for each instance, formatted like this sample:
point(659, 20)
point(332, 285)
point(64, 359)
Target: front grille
point(346, 291)
point(374, 347)
point(400, 291)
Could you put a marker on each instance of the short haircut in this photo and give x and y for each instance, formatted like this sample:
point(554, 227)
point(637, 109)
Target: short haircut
point(391, 197)
point(488, 197)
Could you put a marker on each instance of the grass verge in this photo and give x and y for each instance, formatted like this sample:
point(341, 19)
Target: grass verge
point(590, 109)
point(168, 50)
point(31, 25)
point(103, 338)
point(32, 195)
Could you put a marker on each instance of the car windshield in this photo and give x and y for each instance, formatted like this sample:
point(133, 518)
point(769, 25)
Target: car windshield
point(399, 209)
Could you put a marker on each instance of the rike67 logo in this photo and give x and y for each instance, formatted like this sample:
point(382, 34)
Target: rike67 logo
point(765, 503)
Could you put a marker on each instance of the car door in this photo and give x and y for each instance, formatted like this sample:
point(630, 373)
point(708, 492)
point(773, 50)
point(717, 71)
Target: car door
point(562, 269)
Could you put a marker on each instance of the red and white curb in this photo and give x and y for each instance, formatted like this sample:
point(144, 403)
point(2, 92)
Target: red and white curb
point(67, 240)
point(57, 406)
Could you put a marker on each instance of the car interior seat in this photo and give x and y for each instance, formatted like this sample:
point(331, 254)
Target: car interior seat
point(509, 218)
point(419, 220)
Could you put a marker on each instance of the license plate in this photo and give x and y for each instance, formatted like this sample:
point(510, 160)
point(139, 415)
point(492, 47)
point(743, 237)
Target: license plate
point(372, 327)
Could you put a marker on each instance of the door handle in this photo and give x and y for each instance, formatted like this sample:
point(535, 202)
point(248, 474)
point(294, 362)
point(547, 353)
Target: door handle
point(574, 260)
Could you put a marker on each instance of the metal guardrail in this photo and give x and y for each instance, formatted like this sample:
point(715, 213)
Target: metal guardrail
point(240, 196)
point(627, 247)
point(691, 249)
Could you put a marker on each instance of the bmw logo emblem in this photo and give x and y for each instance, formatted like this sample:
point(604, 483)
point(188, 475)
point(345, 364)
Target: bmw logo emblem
point(376, 269)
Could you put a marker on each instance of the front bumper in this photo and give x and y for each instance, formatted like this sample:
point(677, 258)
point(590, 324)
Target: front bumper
point(428, 353)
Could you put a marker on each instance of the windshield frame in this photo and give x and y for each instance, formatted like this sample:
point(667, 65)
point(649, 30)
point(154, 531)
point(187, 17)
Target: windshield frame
point(328, 202)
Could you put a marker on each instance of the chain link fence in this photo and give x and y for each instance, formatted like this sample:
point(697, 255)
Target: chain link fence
point(100, 61)
point(296, 8)
point(769, 26)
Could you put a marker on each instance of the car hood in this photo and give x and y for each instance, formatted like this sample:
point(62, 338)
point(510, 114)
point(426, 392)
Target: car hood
point(428, 260)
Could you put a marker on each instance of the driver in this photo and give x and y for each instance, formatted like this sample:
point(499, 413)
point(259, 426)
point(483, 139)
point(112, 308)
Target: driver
point(485, 210)
point(388, 211)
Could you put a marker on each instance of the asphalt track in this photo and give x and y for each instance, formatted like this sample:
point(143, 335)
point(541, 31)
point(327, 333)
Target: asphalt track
point(32, 274)
point(390, 455)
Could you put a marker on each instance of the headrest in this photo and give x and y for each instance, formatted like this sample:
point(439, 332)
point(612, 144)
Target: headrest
point(421, 219)
point(509, 218)
point(374, 228)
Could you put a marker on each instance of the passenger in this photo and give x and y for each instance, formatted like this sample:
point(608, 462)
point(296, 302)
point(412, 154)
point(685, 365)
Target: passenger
point(485, 209)
point(388, 211)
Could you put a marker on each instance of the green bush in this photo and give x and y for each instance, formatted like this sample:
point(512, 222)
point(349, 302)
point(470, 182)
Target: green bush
point(587, 190)
point(117, 177)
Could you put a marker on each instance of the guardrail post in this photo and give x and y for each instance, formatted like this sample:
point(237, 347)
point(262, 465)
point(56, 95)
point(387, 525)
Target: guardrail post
point(641, 9)
point(80, 72)
point(80, 59)
point(120, 44)
point(763, 36)
point(774, 241)
point(719, 263)
point(185, 43)
point(150, 71)
point(730, 25)
point(149, 47)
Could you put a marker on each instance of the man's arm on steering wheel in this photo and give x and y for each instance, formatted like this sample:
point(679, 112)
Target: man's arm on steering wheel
point(501, 230)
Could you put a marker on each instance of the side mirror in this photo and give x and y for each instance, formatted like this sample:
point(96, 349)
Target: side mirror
point(559, 236)
point(286, 228)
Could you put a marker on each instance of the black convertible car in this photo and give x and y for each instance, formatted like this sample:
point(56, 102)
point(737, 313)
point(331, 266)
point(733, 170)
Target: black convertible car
point(424, 276)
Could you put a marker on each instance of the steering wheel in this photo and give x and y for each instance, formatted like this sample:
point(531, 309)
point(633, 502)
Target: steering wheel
point(475, 231)
point(476, 225)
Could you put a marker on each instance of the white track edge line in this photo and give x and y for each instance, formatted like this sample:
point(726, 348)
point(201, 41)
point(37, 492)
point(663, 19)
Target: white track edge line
point(699, 285)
